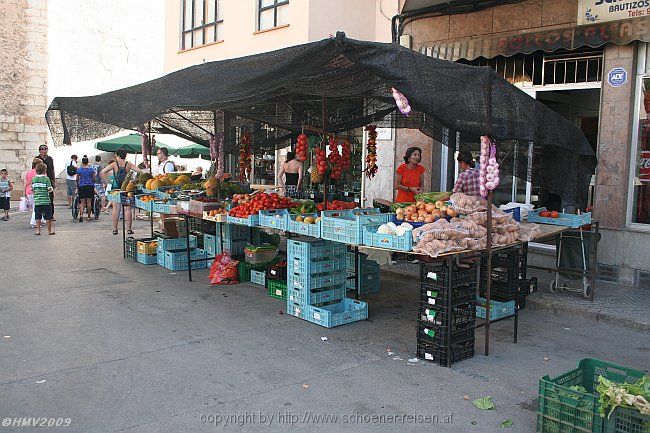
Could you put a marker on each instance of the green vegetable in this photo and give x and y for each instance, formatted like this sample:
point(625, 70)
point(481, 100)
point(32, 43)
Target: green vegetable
point(395, 206)
point(484, 403)
point(505, 424)
point(631, 395)
point(432, 197)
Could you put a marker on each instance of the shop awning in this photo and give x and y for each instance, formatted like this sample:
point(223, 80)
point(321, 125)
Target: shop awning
point(569, 38)
point(131, 143)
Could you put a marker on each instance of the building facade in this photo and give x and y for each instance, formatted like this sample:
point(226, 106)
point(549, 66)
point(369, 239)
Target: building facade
point(588, 62)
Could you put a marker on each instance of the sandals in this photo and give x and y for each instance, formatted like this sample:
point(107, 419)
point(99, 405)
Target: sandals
point(37, 233)
point(51, 233)
point(115, 232)
point(130, 232)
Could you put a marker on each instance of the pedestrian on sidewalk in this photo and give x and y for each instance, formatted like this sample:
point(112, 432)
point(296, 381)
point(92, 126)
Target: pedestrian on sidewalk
point(42, 187)
point(85, 180)
point(121, 168)
point(29, 192)
point(71, 178)
point(100, 186)
point(49, 162)
point(6, 186)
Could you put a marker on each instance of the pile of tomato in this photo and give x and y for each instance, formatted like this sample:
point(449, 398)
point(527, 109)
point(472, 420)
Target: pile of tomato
point(547, 214)
point(337, 205)
point(260, 202)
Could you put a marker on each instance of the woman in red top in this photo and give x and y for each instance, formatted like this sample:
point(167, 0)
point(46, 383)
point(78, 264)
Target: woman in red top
point(409, 179)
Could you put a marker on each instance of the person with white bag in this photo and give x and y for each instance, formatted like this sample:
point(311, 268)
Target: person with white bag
point(29, 193)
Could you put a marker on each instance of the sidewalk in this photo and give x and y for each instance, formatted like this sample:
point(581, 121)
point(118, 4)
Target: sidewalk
point(613, 303)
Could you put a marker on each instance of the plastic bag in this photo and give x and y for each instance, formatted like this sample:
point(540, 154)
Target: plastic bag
point(24, 204)
point(467, 204)
point(529, 231)
point(224, 270)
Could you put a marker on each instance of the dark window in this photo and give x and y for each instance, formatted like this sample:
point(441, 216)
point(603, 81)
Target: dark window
point(201, 22)
point(272, 13)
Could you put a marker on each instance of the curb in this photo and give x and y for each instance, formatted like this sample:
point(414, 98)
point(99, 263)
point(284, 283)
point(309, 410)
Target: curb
point(557, 307)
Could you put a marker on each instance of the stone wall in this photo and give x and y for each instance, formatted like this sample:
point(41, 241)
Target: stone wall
point(528, 16)
point(23, 84)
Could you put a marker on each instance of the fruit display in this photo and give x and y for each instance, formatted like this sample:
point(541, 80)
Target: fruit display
point(143, 178)
point(169, 179)
point(425, 212)
point(215, 212)
point(260, 202)
point(302, 148)
point(245, 157)
point(549, 214)
point(336, 205)
point(432, 197)
point(321, 161)
point(147, 198)
point(308, 219)
point(304, 207)
point(371, 150)
point(241, 198)
point(128, 186)
point(394, 229)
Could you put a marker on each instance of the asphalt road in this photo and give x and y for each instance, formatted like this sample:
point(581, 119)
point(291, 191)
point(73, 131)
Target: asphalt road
point(108, 345)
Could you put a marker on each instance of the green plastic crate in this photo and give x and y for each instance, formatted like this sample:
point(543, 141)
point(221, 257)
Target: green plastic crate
point(563, 410)
point(626, 420)
point(277, 289)
point(244, 269)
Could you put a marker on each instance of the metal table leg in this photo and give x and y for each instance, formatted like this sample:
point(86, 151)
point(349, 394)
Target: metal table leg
point(187, 246)
point(123, 230)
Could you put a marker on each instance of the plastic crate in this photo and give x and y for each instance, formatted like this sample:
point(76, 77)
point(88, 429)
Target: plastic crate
point(438, 275)
point(147, 246)
point(346, 226)
point(439, 337)
point(440, 354)
point(274, 218)
point(260, 256)
point(309, 282)
point(177, 260)
point(437, 298)
point(311, 297)
point(370, 282)
point(562, 409)
point(498, 310)
point(312, 267)
point(131, 248)
point(166, 244)
point(340, 313)
point(244, 270)
point(313, 230)
point(515, 211)
point(258, 277)
point(127, 200)
point(232, 232)
point(296, 309)
point(277, 289)
point(626, 420)
point(312, 249)
point(458, 318)
point(364, 262)
point(195, 224)
point(163, 207)
point(251, 221)
point(164, 191)
point(113, 196)
point(160, 257)
point(393, 242)
point(147, 259)
point(564, 219)
point(277, 273)
point(146, 205)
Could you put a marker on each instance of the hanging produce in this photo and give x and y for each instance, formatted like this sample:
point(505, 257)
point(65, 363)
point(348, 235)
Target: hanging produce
point(245, 157)
point(213, 147)
point(302, 148)
point(146, 146)
point(346, 155)
point(489, 169)
point(335, 160)
point(401, 101)
point(371, 147)
point(321, 161)
point(220, 161)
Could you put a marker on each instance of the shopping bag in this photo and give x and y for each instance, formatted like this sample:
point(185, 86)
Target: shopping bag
point(24, 204)
point(224, 269)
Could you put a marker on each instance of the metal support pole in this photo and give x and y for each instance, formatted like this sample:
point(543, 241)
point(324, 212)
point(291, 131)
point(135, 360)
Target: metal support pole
point(357, 285)
point(324, 147)
point(488, 275)
point(450, 267)
point(124, 229)
point(187, 246)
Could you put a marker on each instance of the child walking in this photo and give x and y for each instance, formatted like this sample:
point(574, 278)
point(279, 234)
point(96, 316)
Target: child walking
point(5, 193)
point(42, 186)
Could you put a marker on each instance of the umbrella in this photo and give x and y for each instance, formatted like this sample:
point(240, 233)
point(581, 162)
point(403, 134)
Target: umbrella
point(193, 150)
point(131, 143)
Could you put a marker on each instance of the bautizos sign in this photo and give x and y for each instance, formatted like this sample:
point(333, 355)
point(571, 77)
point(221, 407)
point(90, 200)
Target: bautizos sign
point(595, 11)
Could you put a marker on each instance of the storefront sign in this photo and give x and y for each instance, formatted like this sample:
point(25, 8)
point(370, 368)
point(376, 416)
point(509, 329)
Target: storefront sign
point(644, 166)
point(384, 133)
point(617, 77)
point(596, 11)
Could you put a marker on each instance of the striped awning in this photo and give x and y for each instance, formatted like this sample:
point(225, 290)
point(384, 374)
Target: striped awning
point(570, 38)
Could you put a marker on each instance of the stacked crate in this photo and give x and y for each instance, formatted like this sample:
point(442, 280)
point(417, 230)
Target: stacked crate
point(446, 318)
point(509, 283)
point(235, 239)
point(165, 244)
point(369, 274)
point(316, 283)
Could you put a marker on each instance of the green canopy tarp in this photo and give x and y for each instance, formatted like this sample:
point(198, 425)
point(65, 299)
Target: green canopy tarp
point(192, 151)
point(131, 143)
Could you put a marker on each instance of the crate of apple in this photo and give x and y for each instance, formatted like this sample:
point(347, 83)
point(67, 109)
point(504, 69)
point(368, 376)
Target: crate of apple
point(260, 202)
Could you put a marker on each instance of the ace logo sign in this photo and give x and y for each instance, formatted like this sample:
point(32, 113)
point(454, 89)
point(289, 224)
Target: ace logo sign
point(617, 77)
point(596, 11)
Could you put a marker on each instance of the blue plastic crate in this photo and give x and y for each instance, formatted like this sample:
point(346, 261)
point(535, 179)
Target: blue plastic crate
point(149, 191)
point(311, 249)
point(160, 257)
point(516, 213)
point(233, 232)
point(163, 192)
point(126, 200)
point(498, 310)
point(274, 218)
point(146, 205)
point(393, 242)
point(168, 207)
point(177, 260)
point(311, 267)
point(341, 313)
point(251, 221)
point(300, 228)
point(370, 282)
point(564, 219)
point(346, 226)
point(113, 196)
point(147, 259)
point(258, 277)
point(166, 244)
point(296, 309)
point(364, 262)
point(311, 297)
point(306, 281)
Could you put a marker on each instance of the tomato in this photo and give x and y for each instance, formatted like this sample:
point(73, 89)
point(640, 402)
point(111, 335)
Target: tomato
point(555, 214)
point(545, 214)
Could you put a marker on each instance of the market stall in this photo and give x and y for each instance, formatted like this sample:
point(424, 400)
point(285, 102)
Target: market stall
point(326, 90)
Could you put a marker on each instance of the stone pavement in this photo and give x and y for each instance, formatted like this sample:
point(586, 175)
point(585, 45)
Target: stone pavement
point(613, 303)
point(118, 346)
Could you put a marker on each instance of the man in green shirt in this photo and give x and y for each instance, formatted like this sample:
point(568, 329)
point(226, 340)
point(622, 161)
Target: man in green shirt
point(42, 186)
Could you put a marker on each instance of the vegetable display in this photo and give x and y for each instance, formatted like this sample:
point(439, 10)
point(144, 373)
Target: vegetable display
point(304, 207)
point(245, 157)
point(337, 205)
point(489, 169)
point(425, 212)
point(260, 202)
point(631, 395)
point(432, 197)
point(371, 150)
point(393, 229)
point(302, 148)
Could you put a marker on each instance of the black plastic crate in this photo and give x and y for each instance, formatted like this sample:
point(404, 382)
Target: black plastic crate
point(458, 351)
point(439, 275)
point(438, 336)
point(277, 272)
point(131, 248)
point(209, 227)
point(459, 295)
point(200, 241)
point(195, 225)
point(459, 318)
